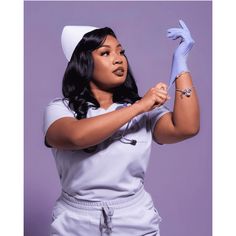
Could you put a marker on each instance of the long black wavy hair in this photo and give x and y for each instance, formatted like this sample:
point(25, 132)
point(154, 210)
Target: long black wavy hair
point(79, 71)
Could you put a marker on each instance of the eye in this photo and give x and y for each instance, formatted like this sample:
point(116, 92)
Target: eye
point(106, 53)
point(122, 52)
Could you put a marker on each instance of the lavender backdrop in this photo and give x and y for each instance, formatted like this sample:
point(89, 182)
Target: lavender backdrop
point(179, 175)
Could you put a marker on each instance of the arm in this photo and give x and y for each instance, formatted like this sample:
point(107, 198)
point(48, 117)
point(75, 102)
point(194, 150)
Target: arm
point(70, 133)
point(184, 122)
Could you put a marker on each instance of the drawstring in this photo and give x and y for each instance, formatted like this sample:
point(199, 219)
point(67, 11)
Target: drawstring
point(106, 220)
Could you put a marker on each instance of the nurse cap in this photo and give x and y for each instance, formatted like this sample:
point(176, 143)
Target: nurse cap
point(70, 37)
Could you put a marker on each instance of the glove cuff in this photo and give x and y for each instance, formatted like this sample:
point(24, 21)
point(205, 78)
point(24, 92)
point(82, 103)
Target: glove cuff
point(182, 73)
point(177, 70)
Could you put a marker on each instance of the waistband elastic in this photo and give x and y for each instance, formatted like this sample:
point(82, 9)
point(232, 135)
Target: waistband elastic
point(116, 203)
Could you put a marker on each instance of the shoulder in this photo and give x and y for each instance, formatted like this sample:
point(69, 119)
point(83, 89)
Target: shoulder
point(159, 111)
point(56, 109)
point(58, 103)
point(155, 114)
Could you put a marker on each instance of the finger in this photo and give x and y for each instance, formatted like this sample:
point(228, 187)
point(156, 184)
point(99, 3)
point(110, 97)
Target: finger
point(164, 94)
point(172, 29)
point(161, 85)
point(177, 31)
point(183, 25)
point(161, 91)
point(175, 35)
point(162, 97)
point(160, 101)
point(171, 35)
point(155, 106)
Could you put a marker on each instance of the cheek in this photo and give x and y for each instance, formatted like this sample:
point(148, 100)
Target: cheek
point(101, 65)
point(125, 63)
point(101, 70)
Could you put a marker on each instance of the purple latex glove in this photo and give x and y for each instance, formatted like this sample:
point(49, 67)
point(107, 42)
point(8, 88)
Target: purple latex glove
point(179, 61)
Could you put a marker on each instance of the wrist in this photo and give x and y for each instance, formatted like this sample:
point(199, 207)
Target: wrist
point(180, 67)
point(137, 108)
point(182, 74)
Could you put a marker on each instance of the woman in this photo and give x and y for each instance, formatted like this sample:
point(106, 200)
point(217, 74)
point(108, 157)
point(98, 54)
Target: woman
point(101, 134)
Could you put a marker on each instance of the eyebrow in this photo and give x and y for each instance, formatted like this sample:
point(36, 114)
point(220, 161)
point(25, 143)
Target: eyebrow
point(108, 46)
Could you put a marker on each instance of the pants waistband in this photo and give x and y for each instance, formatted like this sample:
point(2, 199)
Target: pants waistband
point(116, 203)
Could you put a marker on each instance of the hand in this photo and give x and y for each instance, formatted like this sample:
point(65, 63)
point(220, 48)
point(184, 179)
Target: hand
point(179, 62)
point(153, 98)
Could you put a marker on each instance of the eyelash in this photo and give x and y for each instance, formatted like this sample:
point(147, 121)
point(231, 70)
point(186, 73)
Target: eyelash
point(122, 52)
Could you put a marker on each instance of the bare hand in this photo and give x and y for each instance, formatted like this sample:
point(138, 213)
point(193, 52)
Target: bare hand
point(154, 97)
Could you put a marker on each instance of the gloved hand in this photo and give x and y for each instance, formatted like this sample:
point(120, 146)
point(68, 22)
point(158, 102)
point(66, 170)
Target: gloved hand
point(179, 61)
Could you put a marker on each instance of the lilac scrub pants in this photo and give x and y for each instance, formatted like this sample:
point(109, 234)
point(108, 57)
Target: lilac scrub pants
point(130, 216)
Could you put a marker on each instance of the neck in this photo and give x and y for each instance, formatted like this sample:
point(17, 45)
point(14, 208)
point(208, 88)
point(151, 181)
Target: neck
point(102, 96)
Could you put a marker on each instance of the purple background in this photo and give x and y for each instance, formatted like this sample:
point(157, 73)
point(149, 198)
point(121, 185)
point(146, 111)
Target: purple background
point(179, 175)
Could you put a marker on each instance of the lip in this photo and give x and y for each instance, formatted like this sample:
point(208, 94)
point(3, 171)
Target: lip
point(119, 68)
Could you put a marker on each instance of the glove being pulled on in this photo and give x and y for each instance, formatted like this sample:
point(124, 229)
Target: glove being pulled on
point(179, 61)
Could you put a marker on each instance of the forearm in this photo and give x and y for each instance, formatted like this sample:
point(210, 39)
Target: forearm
point(186, 115)
point(94, 130)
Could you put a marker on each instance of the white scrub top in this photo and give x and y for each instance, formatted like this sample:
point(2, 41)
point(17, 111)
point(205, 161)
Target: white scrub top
point(114, 169)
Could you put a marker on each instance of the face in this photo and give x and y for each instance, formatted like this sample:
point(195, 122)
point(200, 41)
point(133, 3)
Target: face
point(110, 64)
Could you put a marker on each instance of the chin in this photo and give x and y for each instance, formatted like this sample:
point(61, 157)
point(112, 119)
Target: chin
point(115, 82)
point(120, 82)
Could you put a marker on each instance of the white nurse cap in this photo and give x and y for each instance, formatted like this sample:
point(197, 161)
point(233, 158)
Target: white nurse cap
point(70, 37)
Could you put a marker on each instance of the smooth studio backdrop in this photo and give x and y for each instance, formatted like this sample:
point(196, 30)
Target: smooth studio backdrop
point(179, 175)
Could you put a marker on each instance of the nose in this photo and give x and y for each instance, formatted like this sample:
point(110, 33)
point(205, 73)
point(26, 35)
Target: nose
point(117, 59)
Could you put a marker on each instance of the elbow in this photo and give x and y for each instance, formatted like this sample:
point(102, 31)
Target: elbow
point(191, 132)
point(79, 141)
point(82, 141)
point(194, 131)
